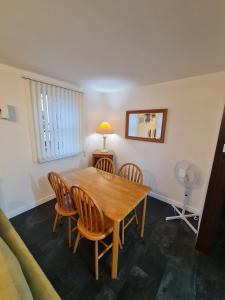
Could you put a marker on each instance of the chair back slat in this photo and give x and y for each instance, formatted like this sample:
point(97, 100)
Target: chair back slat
point(61, 190)
point(105, 164)
point(90, 213)
point(131, 172)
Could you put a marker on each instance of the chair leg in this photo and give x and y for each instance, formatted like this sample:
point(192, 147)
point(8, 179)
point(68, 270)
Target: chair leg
point(55, 222)
point(69, 231)
point(59, 220)
point(136, 217)
point(123, 232)
point(96, 260)
point(121, 247)
point(76, 243)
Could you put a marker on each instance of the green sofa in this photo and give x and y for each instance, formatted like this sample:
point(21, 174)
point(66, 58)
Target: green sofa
point(39, 285)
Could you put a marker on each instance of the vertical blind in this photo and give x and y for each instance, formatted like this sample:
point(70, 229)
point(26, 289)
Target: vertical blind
point(57, 114)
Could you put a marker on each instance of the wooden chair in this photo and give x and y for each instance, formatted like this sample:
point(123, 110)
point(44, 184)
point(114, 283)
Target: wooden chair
point(92, 224)
point(133, 173)
point(105, 164)
point(65, 206)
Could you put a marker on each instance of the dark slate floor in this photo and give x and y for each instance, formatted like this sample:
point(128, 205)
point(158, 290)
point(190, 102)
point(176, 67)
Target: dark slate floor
point(163, 265)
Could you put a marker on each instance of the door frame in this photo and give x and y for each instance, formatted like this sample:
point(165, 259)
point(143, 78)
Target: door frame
point(215, 196)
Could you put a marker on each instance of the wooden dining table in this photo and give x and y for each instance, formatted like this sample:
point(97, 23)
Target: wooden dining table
point(117, 197)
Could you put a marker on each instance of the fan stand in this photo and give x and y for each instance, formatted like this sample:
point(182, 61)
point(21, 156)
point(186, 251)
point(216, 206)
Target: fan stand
point(182, 215)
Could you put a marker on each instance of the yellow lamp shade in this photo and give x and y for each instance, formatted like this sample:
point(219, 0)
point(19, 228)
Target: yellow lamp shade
point(104, 128)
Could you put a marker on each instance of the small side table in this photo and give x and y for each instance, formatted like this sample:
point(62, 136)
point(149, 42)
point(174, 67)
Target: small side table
point(96, 155)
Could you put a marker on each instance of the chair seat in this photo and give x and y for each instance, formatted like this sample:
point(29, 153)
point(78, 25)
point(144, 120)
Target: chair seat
point(68, 211)
point(96, 236)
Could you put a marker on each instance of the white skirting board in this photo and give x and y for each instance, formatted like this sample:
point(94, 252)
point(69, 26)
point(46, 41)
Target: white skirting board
point(29, 206)
point(174, 202)
point(157, 196)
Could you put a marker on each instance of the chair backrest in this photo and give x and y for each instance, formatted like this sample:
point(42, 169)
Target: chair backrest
point(105, 164)
point(131, 172)
point(90, 213)
point(61, 190)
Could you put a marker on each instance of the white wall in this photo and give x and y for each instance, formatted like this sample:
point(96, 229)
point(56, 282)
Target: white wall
point(195, 111)
point(194, 115)
point(23, 183)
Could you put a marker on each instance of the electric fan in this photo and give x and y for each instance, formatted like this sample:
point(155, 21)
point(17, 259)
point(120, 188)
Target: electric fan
point(188, 175)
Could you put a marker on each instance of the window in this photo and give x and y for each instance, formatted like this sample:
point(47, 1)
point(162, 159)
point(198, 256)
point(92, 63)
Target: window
point(57, 120)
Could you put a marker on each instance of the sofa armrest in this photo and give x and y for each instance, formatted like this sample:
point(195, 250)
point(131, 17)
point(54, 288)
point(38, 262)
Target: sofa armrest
point(39, 285)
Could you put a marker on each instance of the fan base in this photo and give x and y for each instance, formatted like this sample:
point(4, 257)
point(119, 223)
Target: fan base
point(182, 216)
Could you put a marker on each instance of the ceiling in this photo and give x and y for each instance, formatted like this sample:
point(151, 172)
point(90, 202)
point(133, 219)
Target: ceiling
point(112, 44)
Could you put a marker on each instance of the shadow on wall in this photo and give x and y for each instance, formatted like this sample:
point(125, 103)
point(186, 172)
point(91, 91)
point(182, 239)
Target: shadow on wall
point(12, 113)
point(89, 160)
point(150, 180)
point(83, 161)
point(41, 187)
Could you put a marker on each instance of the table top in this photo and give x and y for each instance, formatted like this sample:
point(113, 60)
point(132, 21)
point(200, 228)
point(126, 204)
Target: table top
point(117, 196)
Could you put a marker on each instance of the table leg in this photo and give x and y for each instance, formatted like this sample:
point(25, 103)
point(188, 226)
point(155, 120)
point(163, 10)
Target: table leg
point(115, 248)
point(143, 217)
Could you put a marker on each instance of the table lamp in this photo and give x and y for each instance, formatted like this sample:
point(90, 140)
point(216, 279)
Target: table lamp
point(104, 128)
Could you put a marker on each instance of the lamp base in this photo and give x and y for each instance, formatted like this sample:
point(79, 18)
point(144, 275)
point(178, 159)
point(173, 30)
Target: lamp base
point(104, 150)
